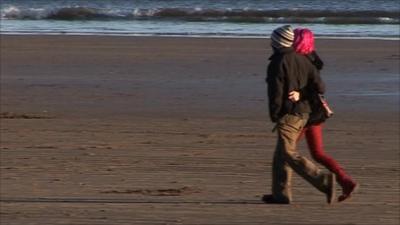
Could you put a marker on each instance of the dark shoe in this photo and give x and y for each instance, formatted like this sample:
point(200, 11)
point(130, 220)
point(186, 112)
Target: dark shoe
point(348, 188)
point(269, 199)
point(331, 191)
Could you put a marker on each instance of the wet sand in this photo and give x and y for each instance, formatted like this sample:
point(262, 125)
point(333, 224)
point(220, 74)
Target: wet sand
point(139, 130)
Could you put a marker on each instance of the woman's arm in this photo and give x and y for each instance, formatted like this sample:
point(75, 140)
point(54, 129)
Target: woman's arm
point(316, 60)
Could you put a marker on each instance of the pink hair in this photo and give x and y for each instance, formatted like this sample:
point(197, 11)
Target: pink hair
point(303, 41)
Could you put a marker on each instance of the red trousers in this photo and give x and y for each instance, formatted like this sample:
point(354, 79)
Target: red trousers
point(313, 136)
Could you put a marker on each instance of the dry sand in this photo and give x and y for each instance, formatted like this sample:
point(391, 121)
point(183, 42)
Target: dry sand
point(139, 130)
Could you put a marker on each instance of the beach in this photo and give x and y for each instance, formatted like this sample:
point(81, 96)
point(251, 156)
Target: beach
point(175, 130)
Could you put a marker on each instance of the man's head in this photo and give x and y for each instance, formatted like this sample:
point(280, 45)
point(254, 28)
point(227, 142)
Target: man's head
point(282, 37)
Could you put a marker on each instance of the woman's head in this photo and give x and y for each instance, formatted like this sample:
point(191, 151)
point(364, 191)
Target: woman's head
point(303, 41)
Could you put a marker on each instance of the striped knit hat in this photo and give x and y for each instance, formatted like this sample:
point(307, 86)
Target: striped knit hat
point(282, 37)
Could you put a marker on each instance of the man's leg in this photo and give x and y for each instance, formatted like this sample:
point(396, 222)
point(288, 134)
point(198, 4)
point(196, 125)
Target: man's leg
point(289, 128)
point(281, 176)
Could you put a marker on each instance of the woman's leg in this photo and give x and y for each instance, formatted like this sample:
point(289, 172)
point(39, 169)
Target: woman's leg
point(315, 144)
point(314, 141)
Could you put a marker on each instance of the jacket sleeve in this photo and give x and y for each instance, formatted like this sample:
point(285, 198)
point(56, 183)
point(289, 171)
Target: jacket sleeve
point(317, 82)
point(316, 85)
point(317, 61)
point(275, 81)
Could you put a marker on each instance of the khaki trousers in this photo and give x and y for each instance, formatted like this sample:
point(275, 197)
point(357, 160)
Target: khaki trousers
point(286, 159)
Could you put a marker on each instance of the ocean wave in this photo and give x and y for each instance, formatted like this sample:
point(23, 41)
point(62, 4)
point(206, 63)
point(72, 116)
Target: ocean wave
point(199, 14)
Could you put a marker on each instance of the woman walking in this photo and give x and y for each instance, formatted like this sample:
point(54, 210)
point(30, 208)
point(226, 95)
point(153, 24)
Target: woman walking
point(304, 44)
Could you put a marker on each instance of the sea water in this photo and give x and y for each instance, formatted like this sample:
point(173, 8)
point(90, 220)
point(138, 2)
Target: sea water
point(226, 18)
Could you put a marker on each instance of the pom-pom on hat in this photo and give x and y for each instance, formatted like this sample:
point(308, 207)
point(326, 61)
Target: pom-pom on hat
point(282, 37)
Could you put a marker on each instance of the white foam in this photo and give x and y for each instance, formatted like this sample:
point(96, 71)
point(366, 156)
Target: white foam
point(13, 12)
point(10, 12)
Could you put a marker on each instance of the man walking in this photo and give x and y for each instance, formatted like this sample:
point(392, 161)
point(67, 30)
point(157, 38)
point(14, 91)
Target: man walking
point(289, 72)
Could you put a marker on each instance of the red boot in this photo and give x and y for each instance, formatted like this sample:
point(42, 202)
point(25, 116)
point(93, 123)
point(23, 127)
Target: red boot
point(349, 187)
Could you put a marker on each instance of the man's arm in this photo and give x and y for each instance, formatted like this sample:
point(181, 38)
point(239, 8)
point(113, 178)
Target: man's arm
point(275, 83)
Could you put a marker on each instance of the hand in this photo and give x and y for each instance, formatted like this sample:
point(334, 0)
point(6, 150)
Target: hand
point(294, 96)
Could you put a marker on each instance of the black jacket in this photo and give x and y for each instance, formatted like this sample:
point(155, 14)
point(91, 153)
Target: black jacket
point(317, 114)
point(289, 71)
point(316, 60)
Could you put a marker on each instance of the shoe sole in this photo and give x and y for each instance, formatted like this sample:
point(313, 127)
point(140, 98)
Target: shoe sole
point(269, 200)
point(331, 196)
point(348, 197)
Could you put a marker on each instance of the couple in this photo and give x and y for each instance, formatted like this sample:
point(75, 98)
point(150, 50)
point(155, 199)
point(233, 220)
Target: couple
point(294, 85)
